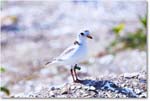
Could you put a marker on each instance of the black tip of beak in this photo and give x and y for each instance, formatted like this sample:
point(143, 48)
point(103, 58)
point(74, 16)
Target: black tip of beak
point(90, 37)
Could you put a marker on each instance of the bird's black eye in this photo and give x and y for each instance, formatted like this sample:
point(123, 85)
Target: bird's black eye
point(82, 34)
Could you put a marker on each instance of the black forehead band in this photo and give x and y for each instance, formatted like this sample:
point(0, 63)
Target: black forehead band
point(86, 31)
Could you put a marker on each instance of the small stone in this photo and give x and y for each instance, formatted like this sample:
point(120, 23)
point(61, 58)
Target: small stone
point(137, 91)
point(142, 76)
point(61, 96)
point(52, 94)
point(135, 83)
point(131, 76)
point(53, 88)
point(79, 87)
point(72, 87)
point(64, 90)
point(143, 95)
point(142, 80)
point(86, 87)
point(92, 88)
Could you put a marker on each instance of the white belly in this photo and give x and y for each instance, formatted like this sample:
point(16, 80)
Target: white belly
point(77, 57)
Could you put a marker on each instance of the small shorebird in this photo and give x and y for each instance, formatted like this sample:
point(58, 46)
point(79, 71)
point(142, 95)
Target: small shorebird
point(74, 54)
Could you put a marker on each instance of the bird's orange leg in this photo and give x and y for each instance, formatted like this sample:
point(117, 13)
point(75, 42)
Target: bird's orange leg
point(72, 75)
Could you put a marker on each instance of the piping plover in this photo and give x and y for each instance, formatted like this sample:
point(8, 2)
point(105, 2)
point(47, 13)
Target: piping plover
point(74, 54)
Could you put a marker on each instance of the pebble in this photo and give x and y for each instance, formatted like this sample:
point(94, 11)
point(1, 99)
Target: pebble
point(142, 80)
point(79, 87)
point(53, 88)
point(92, 88)
point(137, 91)
point(143, 95)
point(64, 90)
point(86, 87)
point(135, 83)
point(72, 87)
point(51, 94)
point(130, 76)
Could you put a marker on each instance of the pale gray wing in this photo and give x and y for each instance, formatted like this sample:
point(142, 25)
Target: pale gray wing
point(64, 55)
point(69, 51)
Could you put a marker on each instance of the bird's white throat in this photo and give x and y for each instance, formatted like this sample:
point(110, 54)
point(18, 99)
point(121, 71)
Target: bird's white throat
point(82, 40)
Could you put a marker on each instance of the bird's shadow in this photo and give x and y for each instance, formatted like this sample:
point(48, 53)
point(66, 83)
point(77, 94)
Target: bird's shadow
point(107, 85)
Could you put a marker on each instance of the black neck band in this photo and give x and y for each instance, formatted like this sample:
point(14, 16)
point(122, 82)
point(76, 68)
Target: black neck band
point(76, 42)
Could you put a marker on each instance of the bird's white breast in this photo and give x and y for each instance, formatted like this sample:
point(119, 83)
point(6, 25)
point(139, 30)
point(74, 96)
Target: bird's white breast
point(77, 56)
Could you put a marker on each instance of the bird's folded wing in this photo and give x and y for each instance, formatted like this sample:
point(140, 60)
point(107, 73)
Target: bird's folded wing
point(67, 52)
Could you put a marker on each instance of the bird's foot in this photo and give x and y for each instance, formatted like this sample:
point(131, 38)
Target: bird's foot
point(77, 81)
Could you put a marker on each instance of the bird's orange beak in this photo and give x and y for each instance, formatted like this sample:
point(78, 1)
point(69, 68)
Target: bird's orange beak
point(90, 37)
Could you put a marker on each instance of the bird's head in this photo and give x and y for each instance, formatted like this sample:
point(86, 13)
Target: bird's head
point(81, 37)
point(85, 34)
